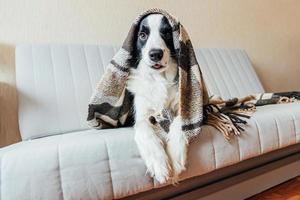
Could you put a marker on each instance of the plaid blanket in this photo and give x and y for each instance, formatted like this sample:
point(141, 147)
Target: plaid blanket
point(111, 104)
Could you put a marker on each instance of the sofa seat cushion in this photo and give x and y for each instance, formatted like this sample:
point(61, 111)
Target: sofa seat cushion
point(105, 164)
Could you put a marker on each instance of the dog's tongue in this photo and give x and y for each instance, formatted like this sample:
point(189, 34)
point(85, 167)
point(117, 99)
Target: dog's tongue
point(157, 66)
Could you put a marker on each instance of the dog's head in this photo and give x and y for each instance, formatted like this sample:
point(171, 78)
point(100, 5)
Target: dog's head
point(154, 45)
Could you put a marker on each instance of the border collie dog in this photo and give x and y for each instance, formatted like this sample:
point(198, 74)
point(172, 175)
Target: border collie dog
point(153, 81)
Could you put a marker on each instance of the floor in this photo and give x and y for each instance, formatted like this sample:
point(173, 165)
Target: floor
point(289, 190)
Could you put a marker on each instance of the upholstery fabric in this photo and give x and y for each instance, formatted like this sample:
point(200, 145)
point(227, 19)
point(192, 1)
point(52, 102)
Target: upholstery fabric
point(55, 82)
point(105, 164)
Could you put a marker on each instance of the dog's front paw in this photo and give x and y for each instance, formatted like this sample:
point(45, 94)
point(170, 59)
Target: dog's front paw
point(178, 158)
point(178, 168)
point(162, 171)
point(177, 149)
point(159, 169)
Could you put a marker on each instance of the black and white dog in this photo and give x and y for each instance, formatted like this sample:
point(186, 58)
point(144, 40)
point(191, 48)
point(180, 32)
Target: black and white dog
point(153, 81)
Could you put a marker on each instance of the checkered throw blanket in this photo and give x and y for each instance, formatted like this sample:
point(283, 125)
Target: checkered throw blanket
point(111, 104)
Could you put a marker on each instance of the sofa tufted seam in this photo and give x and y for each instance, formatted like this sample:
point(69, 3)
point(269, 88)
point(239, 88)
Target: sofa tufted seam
point(209, 70)
point(59, 168)
point(238, 56)
point(239, 149)
point(213, 149)
point(109, 167)
point(259, 137)
point(55, 86)
point(277, 131)
point(295, 129)
point(33, 71)
point(87, 65)
point(253, 73)
point(210, 52)
point(234, 78)
point(236, 65)
point(102, 61)
point(216, 69)
point(74, 85)
point(242, 67)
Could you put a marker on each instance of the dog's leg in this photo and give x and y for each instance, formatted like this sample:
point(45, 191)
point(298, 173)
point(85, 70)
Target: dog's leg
point(177, 144)
point(152, 150)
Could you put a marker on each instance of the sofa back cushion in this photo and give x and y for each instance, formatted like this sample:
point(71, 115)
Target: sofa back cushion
point(55, 82)
point(228, 72)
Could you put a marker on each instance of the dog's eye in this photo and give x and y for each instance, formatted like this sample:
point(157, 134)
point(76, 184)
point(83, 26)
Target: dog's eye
point(143, 36)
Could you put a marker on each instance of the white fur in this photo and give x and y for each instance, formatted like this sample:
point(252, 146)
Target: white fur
point(155, 90)
point(177, 148)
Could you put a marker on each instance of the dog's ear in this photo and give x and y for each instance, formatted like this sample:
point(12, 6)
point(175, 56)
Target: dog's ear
point(133, 61)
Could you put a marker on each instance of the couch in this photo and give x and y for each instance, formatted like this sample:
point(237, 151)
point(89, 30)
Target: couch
point(61, 158)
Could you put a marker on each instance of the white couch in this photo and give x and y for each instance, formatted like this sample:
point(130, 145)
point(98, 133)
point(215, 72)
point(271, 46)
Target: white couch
point(60, 158)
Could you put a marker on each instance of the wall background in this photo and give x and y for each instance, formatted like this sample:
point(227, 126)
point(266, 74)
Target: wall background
point(269, 30)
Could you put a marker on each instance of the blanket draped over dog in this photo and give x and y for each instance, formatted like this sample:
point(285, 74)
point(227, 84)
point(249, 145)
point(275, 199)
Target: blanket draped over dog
point(111, 104)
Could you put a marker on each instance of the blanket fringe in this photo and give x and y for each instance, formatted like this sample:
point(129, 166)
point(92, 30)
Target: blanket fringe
point(228, 123)
point(228, 116)
point(287, 100)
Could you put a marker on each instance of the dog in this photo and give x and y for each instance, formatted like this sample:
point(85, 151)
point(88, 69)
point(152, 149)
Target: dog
point(153, 81)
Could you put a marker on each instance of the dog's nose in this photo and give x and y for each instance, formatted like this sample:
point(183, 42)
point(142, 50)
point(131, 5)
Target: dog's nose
point(156, 54)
